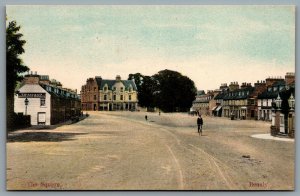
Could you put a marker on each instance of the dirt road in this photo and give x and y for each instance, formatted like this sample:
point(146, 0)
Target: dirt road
point(123, 151)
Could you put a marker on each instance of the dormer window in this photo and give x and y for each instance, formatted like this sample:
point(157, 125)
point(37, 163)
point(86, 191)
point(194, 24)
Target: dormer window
point(114, 88)
point(269, 89)
point(121, 89)
point(105, 88)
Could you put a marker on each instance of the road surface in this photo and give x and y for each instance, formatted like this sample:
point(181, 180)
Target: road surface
point(123, 151)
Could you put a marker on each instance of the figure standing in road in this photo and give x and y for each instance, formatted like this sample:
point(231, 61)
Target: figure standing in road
point(200, 123)
point(146, 117)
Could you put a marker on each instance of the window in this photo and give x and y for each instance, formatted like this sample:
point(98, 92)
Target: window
point(95, 97)
point(121, 97)
point(105, 88)
point(129, 97)
point(114, 97)
point(130, 89)
point(121, 89)
point(114, 88)
point(95, 88)
point(105, 97)
point(42, 102)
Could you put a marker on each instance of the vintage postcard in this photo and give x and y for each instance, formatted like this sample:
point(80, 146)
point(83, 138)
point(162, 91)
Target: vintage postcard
point(153, 97)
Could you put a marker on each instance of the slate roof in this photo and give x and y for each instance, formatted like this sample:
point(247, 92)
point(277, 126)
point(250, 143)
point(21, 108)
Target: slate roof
point(272, 94)
point(110, 83)
point(220, 95)
point(201, 92)
point(63, 93)
point(238, 94)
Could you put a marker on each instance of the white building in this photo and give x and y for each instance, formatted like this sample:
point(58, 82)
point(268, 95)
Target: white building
point(39, 103)
point(46, 101)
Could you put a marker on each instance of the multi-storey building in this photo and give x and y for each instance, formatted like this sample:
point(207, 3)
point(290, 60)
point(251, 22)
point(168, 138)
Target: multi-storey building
point(201, 103)
point(236, 102)
point(109, 95)
point(47, 102)
point(267, 97)
point(218, 109)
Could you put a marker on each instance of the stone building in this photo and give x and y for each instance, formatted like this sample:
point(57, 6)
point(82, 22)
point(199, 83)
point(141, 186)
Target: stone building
point(109, 95)
point(274, 86)
point(46, 101)
point(237, 101)
point(201, 103)
point(218, 109)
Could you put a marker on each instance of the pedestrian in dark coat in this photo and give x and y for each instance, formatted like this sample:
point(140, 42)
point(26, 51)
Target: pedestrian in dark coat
point(199, 123)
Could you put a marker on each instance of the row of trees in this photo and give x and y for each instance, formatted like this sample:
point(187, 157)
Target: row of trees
point(168, 90)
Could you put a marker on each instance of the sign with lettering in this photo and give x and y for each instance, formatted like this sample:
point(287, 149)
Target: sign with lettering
point(32, 95)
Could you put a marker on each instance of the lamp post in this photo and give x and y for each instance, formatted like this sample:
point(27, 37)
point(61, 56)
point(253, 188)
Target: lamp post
point(26, 104)
point(276, 107)
point(278, 102)
point(291, 117)
point(292, 102)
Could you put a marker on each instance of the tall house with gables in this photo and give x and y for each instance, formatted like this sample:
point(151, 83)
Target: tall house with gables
point(109, 95)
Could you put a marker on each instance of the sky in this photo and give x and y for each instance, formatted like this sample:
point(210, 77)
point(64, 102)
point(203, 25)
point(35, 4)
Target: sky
point(209, 44)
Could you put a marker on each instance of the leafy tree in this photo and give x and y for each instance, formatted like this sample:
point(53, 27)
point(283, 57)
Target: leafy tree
point(147, 92)
point(14, 66)
point(175, 91)
point(145, 87)
point(138, 78)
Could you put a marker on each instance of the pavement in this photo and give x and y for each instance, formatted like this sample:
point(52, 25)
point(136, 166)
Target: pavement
point(268, 136)
point(123, 151)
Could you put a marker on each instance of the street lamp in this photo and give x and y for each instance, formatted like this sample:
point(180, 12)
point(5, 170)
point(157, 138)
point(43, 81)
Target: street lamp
point(278, 102)
point(292, 102)
point(26, 104)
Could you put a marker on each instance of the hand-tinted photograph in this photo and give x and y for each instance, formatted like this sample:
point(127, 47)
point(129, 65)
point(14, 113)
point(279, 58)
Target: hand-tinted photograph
point(156, 97)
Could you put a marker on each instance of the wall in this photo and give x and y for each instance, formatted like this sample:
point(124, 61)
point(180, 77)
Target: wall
point(34, 103)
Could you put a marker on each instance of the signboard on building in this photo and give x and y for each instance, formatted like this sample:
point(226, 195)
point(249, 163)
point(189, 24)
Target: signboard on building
point(32, 95)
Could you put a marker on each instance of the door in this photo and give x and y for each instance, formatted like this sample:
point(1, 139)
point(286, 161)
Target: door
point(41, 118)
point(282, 124)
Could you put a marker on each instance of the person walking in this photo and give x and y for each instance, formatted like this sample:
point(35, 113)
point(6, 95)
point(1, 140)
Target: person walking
point(146, 117)
point(200, 123)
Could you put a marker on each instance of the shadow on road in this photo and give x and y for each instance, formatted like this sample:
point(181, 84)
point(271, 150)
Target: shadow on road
point(42, 137)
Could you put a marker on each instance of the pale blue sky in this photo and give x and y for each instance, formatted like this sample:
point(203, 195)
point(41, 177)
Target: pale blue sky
point(209, 44)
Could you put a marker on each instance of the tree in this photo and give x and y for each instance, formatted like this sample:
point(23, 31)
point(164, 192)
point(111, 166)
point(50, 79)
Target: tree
point(14, 66)
point(147, 92)
point(145, 88)
point(175, 92)
point(138, 78)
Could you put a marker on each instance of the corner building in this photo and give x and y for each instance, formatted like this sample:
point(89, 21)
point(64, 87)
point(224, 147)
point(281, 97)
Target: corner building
point(109, 95)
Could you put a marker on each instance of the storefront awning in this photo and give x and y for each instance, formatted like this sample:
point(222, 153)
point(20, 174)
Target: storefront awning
point(219, 107)
point(214, 108)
